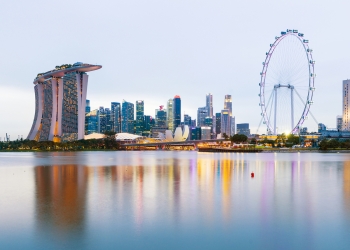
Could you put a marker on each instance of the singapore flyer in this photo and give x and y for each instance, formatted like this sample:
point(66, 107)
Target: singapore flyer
point(287, 83)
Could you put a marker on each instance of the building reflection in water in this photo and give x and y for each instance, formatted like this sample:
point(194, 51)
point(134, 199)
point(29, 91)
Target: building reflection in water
point(61, 197)
point(346, 186)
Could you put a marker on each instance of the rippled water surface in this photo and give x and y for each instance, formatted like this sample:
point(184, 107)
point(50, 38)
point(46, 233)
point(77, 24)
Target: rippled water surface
point(174, 200)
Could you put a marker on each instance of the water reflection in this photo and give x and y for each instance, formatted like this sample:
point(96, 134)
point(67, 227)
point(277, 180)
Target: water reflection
point(292, 197)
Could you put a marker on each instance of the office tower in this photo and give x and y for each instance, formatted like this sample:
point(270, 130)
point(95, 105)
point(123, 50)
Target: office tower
point(208, 121)
point(140, 108)
point(228, 104)
point(92, 121)
point(176, 111)
point(201, 114)
point(209, 104)
point(127, 117)
point(193, 123)
point(103, 120)
point(170, 115)
point(60, 101)
point(148, 124)
point(218, 123)
point(321, 127)
point(116, 116)
point(187, 120)
point(161, 118)
point(205, 133)
point(225, 122)
point(346, 102)
point(339, 123)
point(196, 133)
point(303, 130)
point(243, 129)
point(109, 122)
point(233, 125)
point(87, 107)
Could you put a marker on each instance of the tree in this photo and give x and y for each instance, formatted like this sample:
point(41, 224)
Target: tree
point(324, 144)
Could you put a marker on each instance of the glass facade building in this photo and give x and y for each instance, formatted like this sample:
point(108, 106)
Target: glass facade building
point(201, 114)
point(103, 120)
point(140, 112)
point(218, 123)
point(116, 116)
point(187, 120)
point(209, 104)
point(243, 129)
point(176, 111)
point(92, 121)
point(127, 117)
point(225, 122)
point(170, 115)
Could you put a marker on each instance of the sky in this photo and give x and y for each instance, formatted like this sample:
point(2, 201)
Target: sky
point(153, 50)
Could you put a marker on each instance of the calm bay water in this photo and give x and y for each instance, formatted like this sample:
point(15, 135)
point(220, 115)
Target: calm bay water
point(174, 200)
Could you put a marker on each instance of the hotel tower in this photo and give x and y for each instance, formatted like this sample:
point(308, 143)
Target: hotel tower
point(60, 100)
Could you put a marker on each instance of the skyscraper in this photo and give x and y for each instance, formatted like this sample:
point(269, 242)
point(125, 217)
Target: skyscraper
point(92, 122)
point(233, 125)
point(161, 118)
point(127, 117)
point(177, 111)
point(140, 108)
point(148, 125)
point(346, 102)
point(60, 102)
point(109, 122)
point(209, 104)
point(201, 114)
point(170, 115)
point(103, 120)
point(187, 120)
point(228, 104)
point(225, 122)
point(218, 123)
point(116, 116)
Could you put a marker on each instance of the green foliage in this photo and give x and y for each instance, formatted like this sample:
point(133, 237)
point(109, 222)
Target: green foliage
point(334, 144)
point(108, 143)
point(237, 138)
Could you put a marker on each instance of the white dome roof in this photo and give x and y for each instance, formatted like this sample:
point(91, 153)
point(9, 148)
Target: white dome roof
point(126, 136)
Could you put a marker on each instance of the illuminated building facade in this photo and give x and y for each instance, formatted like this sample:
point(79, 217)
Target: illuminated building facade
point(225, 122)
point(243, 129)
point(116, 116)
point(140, 112)
point(346, 103)
point(92, 122)
point(170, 115)
point(218, 123)
point(201, 114)
point(60, 103)
point(209, 104)
point(127, 117)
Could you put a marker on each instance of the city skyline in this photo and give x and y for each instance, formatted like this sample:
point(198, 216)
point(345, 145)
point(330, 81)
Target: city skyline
point(186, 56)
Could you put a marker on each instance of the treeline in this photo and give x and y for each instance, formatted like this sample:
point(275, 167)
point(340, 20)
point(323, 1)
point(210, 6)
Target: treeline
point(108, 143)
point(334, 144)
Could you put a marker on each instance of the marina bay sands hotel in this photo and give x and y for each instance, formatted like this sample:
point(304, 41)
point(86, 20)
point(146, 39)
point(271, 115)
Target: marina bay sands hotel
point(60, 100)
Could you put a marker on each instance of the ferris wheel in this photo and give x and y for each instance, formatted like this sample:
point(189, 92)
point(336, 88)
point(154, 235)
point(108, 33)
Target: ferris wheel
point(287, 83)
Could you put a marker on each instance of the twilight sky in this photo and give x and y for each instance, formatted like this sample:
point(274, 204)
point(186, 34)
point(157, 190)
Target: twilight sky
point(152, 50)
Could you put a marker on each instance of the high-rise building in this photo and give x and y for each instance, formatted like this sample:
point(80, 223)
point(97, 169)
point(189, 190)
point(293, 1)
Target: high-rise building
point(116, 116)
point(170, 115)
point(228, 104)
point(193, 123)
point(225, 122)
point(149, 123)
point(339, 123)
point(127, 117)
point(60, 102)
point(109, 122)
point(243, 129)
point(140, 108)
point(176, 111)
point(233, 125)
point(187, 120)
point(103, 120)
point(218, 123)
point(92, 121)
point(196, 133)
point(209, 104)
point(205, 133)
point(346, 107)
point(87, 107)
point(201, 114)
point(161, 118)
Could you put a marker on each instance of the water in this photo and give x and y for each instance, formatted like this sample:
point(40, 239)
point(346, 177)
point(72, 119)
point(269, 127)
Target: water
point(174, 200)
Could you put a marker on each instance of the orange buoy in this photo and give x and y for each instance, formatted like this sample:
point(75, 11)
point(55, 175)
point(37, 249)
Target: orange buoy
point(252, 175)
